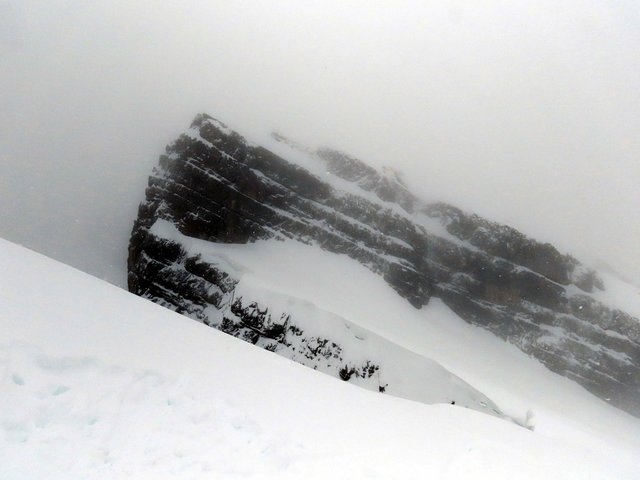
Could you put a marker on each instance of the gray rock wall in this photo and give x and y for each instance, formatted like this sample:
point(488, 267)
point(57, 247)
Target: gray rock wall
point(215, 186)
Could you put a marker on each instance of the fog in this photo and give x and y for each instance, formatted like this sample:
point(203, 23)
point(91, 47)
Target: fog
point(525, 112)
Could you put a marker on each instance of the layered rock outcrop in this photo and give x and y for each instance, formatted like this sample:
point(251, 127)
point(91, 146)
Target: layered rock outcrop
point(214, 185)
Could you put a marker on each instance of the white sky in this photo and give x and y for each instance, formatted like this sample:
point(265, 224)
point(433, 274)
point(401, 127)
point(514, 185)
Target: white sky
point(525, 112)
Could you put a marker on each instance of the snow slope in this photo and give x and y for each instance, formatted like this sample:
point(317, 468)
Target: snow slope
point(99, 383)
point(327, 342)
point(270, 271)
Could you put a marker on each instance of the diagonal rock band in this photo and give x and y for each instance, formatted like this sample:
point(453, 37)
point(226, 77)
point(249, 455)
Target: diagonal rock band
point(214, 185)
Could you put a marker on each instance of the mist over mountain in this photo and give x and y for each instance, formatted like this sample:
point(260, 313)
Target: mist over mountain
point(399, 240)
point(525, 113)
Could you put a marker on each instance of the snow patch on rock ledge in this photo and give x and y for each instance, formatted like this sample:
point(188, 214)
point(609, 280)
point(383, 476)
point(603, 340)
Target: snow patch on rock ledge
point(310, 335)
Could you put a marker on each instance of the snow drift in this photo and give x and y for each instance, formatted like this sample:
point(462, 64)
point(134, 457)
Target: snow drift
point(99, 383)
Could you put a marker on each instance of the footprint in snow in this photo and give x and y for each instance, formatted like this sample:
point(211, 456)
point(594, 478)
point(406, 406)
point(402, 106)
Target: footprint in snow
point(59, 390)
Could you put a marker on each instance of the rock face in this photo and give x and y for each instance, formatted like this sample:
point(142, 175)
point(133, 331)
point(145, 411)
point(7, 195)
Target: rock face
point(214, 185)
point(204, 281)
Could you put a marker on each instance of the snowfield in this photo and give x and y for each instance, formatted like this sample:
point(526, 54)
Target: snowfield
point(98, 383)
point(400, 372)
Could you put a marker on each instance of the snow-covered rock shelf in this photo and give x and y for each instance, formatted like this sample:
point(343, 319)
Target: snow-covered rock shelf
point(216, 186)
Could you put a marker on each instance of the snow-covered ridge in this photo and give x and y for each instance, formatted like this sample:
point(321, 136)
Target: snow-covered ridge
point(305, 333)
point(216, 186)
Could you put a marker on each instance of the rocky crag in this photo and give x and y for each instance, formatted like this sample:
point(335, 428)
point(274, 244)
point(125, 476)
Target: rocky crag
point(214, 185)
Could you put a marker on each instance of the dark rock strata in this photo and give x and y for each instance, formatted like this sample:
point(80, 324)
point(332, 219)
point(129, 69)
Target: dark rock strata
point(184, 283)
point(214, 185)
